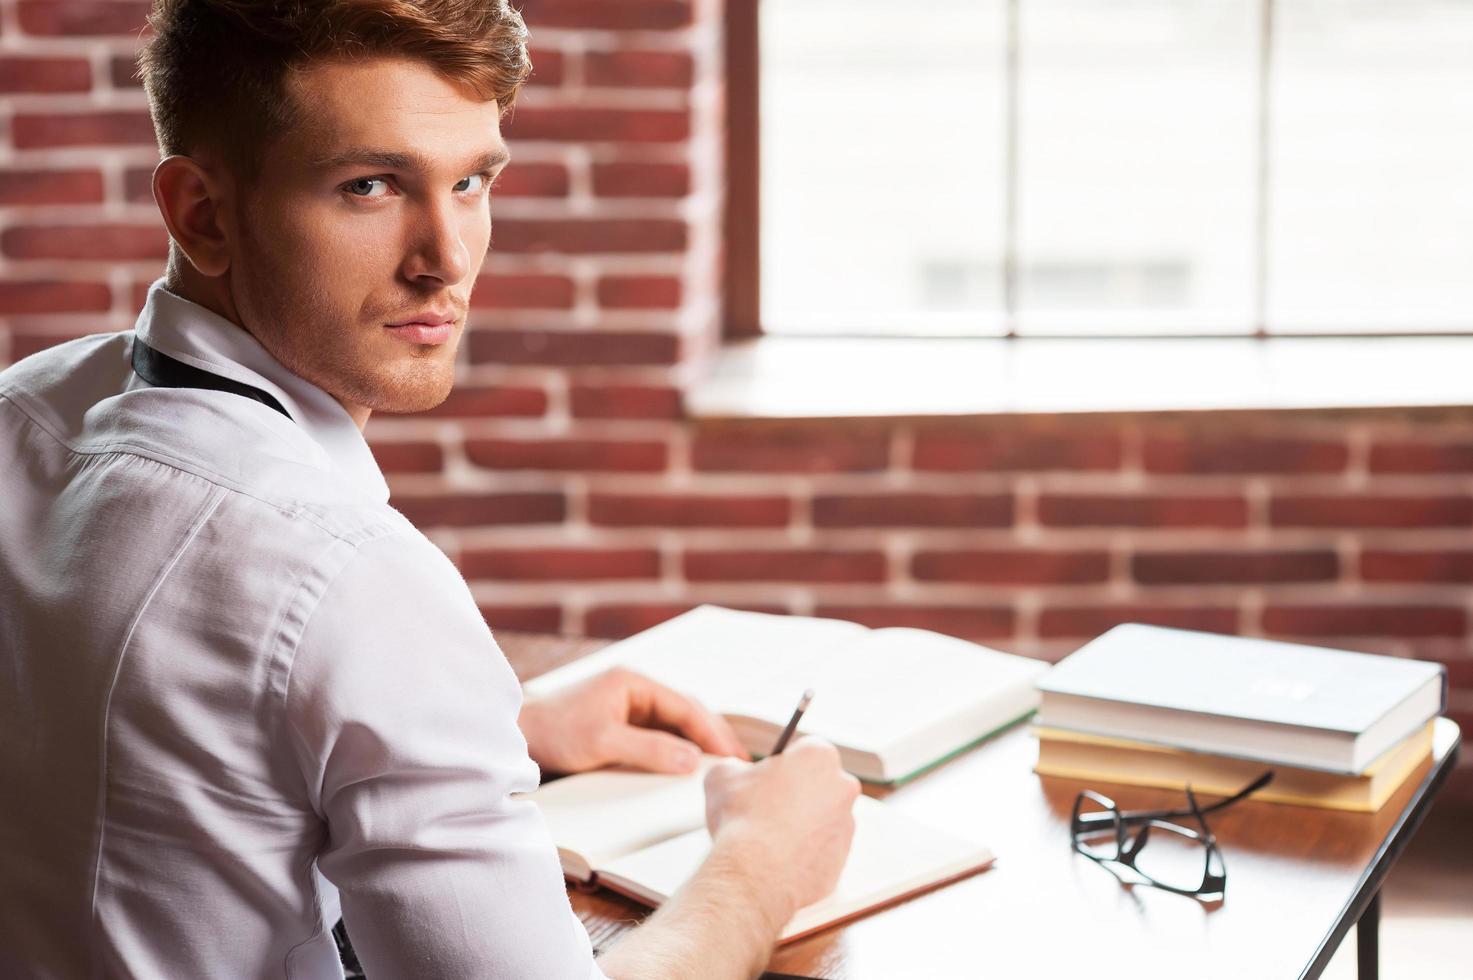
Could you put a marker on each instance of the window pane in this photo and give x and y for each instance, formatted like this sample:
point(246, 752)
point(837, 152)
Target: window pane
point(1372, 190)
point(882, 152)
point(1137, 155)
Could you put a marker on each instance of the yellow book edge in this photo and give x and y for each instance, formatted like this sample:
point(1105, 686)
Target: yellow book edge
point(1081, 755)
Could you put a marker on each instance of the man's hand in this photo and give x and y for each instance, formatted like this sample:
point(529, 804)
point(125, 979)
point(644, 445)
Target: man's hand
point(780, 833)
point(795, 810)
point(620, 717)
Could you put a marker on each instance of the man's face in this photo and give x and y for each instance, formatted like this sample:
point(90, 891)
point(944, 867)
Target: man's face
point(361, 237)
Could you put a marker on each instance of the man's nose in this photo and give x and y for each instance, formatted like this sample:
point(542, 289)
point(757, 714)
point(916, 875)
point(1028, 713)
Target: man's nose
point(438, 251)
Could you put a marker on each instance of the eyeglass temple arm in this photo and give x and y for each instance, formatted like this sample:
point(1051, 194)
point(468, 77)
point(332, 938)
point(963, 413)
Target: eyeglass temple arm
point(1138, 815)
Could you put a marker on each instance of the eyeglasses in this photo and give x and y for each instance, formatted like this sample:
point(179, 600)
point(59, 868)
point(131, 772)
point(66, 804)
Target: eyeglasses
point(1183, 860)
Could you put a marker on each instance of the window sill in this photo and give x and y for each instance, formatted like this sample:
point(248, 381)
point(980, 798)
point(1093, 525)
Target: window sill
point(791, 377)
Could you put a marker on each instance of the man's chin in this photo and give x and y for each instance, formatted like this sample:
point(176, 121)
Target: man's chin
point(407, 401)
point(420, 392)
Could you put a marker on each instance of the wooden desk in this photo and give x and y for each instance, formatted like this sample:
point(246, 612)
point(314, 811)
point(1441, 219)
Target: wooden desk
point(1298, 879)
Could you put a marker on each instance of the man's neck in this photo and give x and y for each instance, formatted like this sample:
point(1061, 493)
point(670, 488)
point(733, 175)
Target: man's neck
point(213, 293)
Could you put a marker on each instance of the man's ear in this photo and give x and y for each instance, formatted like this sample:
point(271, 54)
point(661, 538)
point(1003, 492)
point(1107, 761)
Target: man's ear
point(190, 199)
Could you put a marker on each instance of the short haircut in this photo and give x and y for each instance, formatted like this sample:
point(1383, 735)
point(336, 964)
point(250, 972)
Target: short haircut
point(215, 70)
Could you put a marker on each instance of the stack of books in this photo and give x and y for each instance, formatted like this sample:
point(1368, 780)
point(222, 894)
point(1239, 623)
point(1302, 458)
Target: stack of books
point(1149, 706)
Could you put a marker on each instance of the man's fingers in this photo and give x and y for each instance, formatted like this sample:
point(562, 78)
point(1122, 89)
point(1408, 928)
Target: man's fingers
point(659, 705)
point(729, 737)
point(645, 748)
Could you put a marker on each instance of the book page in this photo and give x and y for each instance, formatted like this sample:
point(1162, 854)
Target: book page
point(892, 855)
point(892, 682)
point(733, 662)
point(610, 812)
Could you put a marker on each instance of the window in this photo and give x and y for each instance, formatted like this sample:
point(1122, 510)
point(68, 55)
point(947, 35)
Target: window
point(1178, 167)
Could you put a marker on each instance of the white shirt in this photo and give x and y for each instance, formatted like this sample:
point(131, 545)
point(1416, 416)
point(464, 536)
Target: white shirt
point(236, 685)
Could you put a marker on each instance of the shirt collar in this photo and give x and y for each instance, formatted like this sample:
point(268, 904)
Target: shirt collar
point(190, 333)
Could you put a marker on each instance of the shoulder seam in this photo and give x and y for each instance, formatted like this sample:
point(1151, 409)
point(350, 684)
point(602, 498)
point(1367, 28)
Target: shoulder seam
point(286, 507)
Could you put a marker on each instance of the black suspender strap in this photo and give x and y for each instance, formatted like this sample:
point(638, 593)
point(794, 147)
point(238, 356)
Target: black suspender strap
point(163, 371)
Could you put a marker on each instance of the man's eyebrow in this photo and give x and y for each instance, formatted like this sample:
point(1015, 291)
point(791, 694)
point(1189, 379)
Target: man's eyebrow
point(412, 162)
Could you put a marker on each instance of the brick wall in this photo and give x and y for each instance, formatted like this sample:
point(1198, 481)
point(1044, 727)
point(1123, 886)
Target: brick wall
point(563, 479)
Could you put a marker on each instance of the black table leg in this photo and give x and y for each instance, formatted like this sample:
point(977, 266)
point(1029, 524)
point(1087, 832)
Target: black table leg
point(1368, 940)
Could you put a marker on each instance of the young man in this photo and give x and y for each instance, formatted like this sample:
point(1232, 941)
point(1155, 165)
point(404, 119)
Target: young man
point(239, 691)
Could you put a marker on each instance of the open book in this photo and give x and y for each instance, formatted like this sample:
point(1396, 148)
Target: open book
point(644, 834)
point(895, 701)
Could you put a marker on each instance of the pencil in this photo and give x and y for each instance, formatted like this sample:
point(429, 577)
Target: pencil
point(786, 736)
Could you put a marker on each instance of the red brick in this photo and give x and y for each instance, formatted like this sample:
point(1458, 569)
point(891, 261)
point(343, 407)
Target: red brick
point(598, 455)
point(1422, 457)
point(1012, 567)
point(471, 401)
point(1459, 786)
point(532, 180)
point(687, 510)
point(138, 185)
point(815, 448)
point(1416, 566)
point(785, 565)
point(559, 564)
point(535, 619)
point(83, 17)
point(1234, 567)
point(1367, 620)
point(1459, 670)
point(1371, 510)
point(110, 242)
point(1244, 454)
point(967, 622)
point(408, 457)
point(1090, 621)
point(954, 451)
point(580, 348)
point(23, 344)
point(1131, 510)
point(53, 296)
point(913, 510)
point(626, 402)
point(602, 125)
point(623, 619)
point(639, 292)
point(19, 73)
point(124, 72)
point(629, 15)
point(522, 292)
point(547, 67)
point(590, 235)
point(29, 130)
point(1455, 656)
point(140, 294)
point(50, 186)
point(639, 69)
point(482, 509)
point(641, 179)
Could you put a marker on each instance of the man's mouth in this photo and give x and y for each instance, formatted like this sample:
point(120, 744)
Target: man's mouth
point(424, 328)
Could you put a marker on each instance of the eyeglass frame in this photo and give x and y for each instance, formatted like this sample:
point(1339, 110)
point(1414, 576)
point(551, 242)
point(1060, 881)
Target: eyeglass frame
point(1127, 848)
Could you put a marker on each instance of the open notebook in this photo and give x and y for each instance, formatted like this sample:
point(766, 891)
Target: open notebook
point(644, 834)
point(895, 701)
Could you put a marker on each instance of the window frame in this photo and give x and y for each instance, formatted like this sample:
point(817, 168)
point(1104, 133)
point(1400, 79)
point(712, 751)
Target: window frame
point(741, 213)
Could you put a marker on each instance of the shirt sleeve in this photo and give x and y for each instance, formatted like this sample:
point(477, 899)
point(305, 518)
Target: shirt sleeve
point(403, 716)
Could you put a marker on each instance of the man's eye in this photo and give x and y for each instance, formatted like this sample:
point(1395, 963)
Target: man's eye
point(364, 187)
point(475, 182)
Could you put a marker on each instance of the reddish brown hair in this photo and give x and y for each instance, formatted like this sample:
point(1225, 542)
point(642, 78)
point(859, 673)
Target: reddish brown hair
point(214, 70)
